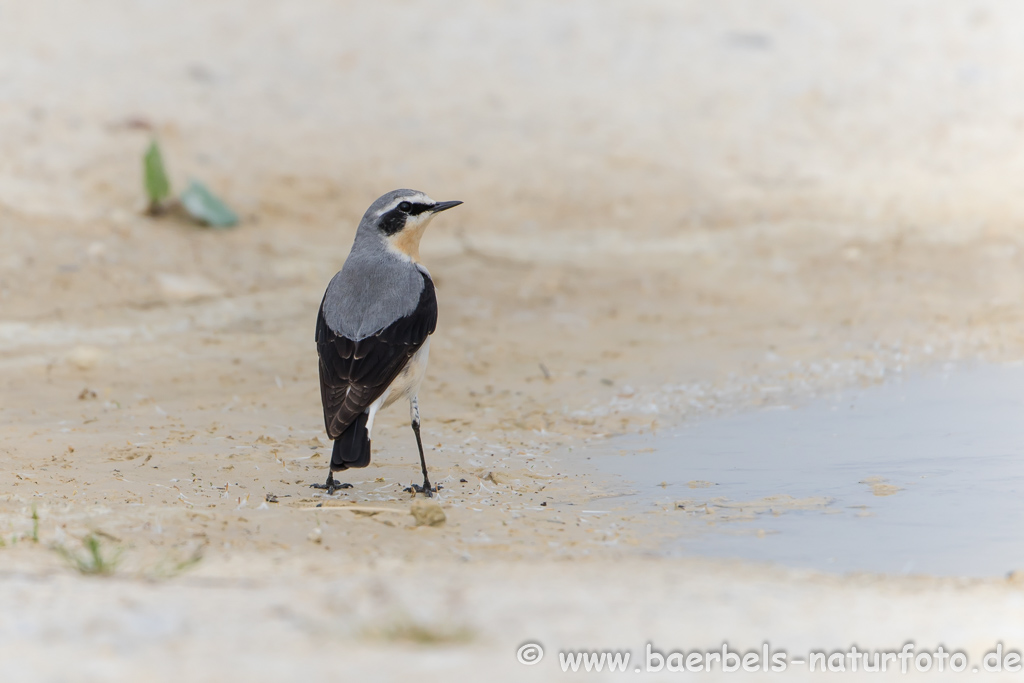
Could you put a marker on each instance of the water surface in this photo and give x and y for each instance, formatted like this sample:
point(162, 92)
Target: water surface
point(923, 475)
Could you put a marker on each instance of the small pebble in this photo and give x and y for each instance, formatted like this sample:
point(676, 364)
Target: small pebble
point(427, 512)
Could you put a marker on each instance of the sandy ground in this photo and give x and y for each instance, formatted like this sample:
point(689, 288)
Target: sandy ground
point(673, 210)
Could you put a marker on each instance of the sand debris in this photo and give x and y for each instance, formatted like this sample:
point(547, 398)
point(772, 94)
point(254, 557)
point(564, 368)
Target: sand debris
point(427, 512)
point(879, 487)
point(727, 510)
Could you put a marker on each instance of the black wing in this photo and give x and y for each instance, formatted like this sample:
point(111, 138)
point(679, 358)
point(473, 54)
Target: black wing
point(354, 374)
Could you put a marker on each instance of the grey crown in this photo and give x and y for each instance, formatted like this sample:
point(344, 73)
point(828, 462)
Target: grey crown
point(375, 287)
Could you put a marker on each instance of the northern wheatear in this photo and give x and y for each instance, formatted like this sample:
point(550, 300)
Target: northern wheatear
point(372, 333)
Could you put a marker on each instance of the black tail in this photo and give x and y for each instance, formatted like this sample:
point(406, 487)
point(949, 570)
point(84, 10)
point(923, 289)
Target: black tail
point(352, 448)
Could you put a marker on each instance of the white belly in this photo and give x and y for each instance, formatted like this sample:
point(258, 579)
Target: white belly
point(406, 385)
point(408, 382)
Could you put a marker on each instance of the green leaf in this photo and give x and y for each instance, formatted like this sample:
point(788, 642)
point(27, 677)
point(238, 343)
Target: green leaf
point(204, 206)
point(158, 188)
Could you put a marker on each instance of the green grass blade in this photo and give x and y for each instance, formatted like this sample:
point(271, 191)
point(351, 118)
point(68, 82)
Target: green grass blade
point(158, 188)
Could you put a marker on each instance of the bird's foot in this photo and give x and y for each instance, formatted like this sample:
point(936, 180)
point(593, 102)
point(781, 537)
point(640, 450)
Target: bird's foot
point(330, 485)
point(426, 489)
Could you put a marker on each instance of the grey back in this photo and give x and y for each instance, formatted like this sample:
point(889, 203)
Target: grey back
point(375, 287)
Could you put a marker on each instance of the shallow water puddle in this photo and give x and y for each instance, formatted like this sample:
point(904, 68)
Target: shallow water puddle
point(923, 475)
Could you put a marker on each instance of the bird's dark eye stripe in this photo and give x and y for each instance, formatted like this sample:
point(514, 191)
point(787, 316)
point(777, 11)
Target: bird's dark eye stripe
point(392, 222)
point(417, 209)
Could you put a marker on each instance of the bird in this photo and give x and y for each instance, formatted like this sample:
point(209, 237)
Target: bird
point(373, 329)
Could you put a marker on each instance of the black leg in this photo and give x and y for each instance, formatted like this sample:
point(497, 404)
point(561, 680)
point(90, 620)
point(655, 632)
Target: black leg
point(330, 485)
point(426, 489)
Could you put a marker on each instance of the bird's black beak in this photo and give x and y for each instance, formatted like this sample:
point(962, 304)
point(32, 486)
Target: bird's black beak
point(443, 206)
